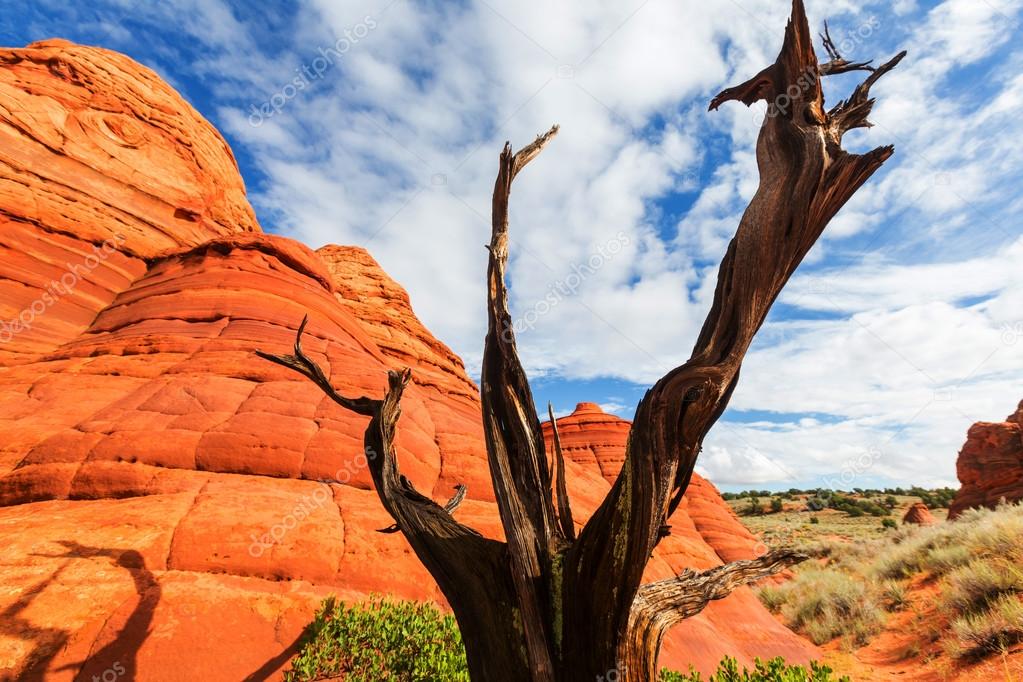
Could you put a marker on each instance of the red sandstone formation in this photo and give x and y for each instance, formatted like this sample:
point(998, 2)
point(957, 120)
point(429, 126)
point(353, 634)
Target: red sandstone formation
point(990, 465)
point(918, 514)
point(170, 504)
point(96, 150)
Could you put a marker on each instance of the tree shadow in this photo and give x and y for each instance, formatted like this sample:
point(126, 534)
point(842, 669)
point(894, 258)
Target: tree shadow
point(118, 658)
point(46, 642)
point(272, 665)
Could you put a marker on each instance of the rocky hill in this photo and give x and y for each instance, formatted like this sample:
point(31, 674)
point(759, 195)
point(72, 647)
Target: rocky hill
point(172, 507)
point(990, 464)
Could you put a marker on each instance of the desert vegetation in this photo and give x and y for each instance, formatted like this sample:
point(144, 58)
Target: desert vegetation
point(971, 571)
point(401, 641)
point(934, 498)
point(381, 639)
point(775, 670)
point(806, 516)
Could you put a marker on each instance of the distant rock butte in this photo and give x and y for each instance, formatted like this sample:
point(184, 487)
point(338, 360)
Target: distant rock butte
point(162, 494)
point(918, 514)
point(990, 464)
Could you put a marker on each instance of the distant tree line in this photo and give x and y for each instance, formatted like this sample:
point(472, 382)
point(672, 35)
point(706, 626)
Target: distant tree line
point(857, 502)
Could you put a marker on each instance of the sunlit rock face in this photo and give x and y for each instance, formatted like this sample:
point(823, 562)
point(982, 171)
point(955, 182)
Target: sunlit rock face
point(172, 506)
point(918, 514)
point(102, 165)
point(990, 465)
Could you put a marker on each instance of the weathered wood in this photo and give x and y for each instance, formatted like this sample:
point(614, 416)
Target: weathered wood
point(564, 507)
point(665, 603)
point(547, 606)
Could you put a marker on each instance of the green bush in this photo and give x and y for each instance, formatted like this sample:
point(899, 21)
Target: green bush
point(889, 523)
point(379, 640)
point(754, 508)
point(774, 670)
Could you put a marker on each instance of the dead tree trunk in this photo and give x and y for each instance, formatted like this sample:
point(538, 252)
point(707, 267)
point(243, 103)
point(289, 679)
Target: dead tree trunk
point(546, 605)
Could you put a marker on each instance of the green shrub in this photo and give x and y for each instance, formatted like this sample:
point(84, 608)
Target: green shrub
point(814, 520)
point(379, 640)
point(754, 508)
point(889, 523)
point(774, 670)
point(777, 505)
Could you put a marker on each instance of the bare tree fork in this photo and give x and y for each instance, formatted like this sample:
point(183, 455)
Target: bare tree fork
point(837, 63)
point(659, 606)
point(470, 569)
point(456, 500)
point(545, 605)
point(564, 508)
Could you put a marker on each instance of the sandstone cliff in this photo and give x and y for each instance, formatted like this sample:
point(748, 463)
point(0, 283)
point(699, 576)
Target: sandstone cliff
point(990, 464)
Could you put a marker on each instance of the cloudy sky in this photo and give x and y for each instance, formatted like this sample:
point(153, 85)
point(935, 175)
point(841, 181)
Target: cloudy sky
point(379, 123)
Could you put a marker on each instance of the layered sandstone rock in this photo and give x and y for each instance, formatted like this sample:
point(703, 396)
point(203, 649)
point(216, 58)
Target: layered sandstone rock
point(918, 514)
point(172, 507)
point(102, 164)
point(990, 464)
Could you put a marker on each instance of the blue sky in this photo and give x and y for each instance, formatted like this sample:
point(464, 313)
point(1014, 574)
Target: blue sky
point(379, 124)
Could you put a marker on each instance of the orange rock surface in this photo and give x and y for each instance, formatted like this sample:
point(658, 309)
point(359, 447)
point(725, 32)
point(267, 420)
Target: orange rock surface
point(96, 150)
point(990, 464)
point(919, 514)
point(172, 506)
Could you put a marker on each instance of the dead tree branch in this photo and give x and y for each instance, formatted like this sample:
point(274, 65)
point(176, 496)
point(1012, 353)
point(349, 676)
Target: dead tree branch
point(551, 605)
point(660, 605)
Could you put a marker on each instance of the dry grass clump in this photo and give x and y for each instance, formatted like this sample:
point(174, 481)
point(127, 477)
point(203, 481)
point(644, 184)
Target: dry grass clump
point(977, 560)
point(989, 631)
point(825, 604)
point(893, 595)
point(976, 586)
point(940, 549)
